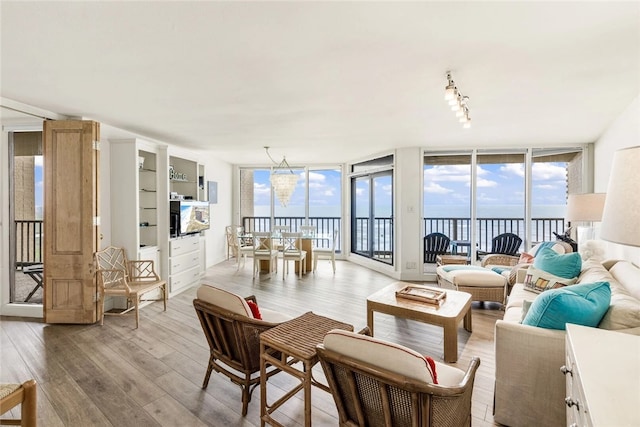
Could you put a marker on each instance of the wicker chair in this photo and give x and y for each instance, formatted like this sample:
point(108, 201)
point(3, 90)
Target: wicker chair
point(12, 395)
point(234, 340)
point(373, 395)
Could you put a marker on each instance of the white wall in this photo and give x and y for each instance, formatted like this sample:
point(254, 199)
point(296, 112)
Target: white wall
point(623, 132)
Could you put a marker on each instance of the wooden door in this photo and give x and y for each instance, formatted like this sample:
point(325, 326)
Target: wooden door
point(71, 221)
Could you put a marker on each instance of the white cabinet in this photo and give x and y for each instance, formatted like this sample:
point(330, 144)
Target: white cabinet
point(602, 373)
point(135, 200)
point(184, 262)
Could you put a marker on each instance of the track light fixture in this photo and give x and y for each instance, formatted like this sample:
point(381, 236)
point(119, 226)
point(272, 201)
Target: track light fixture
point(457, 101)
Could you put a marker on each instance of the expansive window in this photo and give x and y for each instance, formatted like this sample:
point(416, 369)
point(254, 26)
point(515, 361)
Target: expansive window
point(372, 209)
point(316, 201)
point(473, 196)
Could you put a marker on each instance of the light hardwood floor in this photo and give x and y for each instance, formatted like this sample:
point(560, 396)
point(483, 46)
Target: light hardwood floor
point(115, 375)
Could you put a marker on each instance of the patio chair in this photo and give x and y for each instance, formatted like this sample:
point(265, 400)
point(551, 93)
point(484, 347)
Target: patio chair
point(12, 395)
point(120, 277)
point(435, 244)
point(504, 244)
point(379, 383)
point(233, 335)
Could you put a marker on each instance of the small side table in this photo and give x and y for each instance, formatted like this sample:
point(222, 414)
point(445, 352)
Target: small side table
point(451, 259)
point(296, 340)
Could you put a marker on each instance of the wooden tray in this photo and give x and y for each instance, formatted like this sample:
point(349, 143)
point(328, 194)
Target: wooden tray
point(423, 294)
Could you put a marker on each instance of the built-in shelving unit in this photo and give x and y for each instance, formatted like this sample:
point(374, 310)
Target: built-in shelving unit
point(147, 198)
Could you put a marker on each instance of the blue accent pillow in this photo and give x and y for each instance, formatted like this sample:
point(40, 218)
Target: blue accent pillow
point(562, 265)
point(583, 304)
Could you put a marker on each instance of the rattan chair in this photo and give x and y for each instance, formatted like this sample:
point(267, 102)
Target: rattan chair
point(234, 343)
point(120, 277)
point(371, 395)
point(12, 395)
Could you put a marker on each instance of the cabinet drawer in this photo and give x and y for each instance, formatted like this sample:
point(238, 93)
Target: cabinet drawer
point(183, 280)
point(184, 245)
point(184, 262)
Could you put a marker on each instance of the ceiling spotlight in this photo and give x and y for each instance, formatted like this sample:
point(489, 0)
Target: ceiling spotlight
point(457, 101)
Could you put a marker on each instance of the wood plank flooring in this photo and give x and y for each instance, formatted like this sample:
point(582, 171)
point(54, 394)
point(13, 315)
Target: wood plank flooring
point(115, 375)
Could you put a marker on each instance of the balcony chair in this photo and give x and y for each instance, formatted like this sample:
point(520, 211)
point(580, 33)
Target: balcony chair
point(292, 251)
point(435, 244)
point(506, 244)
point(12, 395)
point(263, 251)
point(120, 277)
point(233, 335)
point(326, 253)
point(379, 383)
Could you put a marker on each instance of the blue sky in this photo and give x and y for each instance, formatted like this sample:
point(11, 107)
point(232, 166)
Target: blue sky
point(498, 184)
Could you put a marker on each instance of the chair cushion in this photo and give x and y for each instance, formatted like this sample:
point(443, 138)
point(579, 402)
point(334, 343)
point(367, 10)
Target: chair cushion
point(391, 356)
point(272, 316)
point(583, 304)
point(225, 299)
point(539, 280)
point(562, 265)
point(469, 275)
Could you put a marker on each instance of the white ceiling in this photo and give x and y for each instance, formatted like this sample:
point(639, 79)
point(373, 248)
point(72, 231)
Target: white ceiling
point(324, 82)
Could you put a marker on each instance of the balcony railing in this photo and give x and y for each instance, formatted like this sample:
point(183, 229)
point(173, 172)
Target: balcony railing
point(324, 226)
point(28, 242)
point(542, 229)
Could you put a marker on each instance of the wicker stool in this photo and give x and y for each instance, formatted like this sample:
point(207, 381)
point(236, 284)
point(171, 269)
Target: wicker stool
point(483, 284)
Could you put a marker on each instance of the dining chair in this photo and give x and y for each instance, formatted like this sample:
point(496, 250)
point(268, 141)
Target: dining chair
point(292, 251)
point(232, 242)
point(245, 246)
point(309, 230)
point(25, 395)
point(326, 253)
point(263, 251)
point(277, 235)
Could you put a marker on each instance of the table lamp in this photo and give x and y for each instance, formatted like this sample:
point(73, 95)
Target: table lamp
point(621, 217)
point(586, 208)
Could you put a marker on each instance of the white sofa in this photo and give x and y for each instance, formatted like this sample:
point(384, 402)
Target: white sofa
point(529, 387)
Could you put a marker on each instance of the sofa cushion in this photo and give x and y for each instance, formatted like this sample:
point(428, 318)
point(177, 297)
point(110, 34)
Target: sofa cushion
point(391, 356)
point(538, 280)
point(628, 275)
point(582, 304)
point(225, 299)
point(562, 265)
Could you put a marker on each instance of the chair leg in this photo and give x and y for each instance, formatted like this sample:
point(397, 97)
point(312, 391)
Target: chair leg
point(29, 405)
point(333, 264)
point(315, 263)
point(205, 383)
point(164, 296)
point(137, 308)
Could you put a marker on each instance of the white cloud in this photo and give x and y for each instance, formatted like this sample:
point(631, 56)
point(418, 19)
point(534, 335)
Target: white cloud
point(328, 192)
point(548, 171)
point(316, 177)
point(38, 161)
point(261, 188)
point(435, 188)
point(545, 186)
point(486, 183)
point(513, 169)
point(451, 173)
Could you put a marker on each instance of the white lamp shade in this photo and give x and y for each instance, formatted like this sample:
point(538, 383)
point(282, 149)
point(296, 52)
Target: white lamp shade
point(621, 217)
point(585, 207)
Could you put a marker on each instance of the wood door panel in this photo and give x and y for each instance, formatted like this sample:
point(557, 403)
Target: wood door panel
point(71, 224)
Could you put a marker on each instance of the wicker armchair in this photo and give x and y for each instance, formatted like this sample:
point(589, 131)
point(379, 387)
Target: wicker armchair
point(234, 342)
point(368, 394)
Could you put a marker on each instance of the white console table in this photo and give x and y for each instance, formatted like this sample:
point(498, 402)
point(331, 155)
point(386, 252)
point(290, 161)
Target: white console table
point(603, 377)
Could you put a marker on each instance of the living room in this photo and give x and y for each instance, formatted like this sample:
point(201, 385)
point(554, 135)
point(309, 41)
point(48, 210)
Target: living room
point(606, 54)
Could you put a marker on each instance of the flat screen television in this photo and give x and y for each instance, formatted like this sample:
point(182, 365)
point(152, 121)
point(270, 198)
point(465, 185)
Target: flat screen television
point(188, 217)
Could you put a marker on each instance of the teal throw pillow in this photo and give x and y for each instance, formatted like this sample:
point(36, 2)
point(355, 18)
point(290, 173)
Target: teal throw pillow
point(583, 304)
point(562, 265)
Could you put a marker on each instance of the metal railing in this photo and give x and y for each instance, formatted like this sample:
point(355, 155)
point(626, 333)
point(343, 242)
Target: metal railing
point(324, 226)
point(458, 229)
point(542, 229)
point(28, 242)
